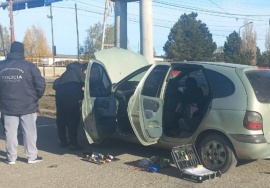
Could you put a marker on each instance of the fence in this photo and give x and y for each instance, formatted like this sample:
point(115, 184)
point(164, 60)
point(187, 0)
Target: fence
point(49, 71)
point(58, 60)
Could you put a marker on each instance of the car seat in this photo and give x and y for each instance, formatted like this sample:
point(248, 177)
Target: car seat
point(193, 98)
point(172, 98)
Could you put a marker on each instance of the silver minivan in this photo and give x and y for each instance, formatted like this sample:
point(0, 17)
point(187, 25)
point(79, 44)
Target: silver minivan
point(222, 109)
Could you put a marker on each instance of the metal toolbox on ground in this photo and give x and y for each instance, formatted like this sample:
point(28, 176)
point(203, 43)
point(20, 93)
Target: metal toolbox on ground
point(187, 161)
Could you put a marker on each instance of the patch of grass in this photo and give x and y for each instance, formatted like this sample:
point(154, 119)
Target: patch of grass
point(48, 100)
point(49, 90)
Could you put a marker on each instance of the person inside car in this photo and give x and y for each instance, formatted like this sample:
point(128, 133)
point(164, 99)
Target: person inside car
point(193, 98)
point(191, 113)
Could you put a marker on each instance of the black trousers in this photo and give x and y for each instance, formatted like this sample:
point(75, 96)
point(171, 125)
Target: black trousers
point(68, 116)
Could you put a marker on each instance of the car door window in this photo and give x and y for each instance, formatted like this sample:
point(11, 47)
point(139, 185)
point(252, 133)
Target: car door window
point(154, 81)
point(99, 82)
point(199, 76)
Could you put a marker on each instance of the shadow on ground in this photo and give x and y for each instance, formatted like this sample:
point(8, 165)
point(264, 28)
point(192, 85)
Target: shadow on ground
point(47, 138)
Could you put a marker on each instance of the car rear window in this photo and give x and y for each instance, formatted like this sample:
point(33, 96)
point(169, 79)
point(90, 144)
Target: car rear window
point(260, 82)
point(220, 84)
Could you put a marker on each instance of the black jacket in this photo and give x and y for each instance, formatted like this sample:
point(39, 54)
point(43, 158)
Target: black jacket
point(69, 86)
point(21, 85)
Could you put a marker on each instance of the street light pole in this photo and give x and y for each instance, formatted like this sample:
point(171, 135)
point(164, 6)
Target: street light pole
point(78, 43)
point(104, 24)
point(244, 26)
point(3, 43)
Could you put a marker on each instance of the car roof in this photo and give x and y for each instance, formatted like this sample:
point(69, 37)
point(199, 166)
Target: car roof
point(231, 65)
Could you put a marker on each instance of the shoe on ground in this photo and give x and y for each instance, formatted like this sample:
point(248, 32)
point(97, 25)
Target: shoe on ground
point(76, 147)
point(37, 160)
point(10, 162)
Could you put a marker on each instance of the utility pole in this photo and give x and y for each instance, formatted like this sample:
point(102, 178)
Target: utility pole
point(12, 35)
point(53, 48)
point(104, 23)
point(78, 43)
point(2, 39)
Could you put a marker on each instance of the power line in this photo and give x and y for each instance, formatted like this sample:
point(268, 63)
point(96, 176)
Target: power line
point(221, 8)
point(174, 5)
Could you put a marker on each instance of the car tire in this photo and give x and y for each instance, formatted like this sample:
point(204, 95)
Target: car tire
point(216, 153)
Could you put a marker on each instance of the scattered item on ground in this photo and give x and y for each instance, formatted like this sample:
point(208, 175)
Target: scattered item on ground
point(187, 161)
point(160, 161)
point(154, 163)
point(144, 163)
point(53, 166)
point(98, 158)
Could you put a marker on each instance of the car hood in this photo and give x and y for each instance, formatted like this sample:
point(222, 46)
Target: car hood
point(120, 62)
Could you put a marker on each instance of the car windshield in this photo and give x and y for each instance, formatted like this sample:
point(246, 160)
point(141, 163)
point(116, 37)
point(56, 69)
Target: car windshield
point(260, 81)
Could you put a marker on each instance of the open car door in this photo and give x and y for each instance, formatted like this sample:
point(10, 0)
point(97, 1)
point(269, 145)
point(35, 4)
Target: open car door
point(145, 108)
point(98, 107)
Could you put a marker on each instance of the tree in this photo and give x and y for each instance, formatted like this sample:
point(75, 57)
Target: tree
point(232, 48)
point(189, 39)
point(267, 40)
point(4, 41)
point(249, 45)
point(259, 57)
point(154, 52)
point(35, 43)
point(109, 36)
point(93, 40)
point(219, 54)
point(265, 59)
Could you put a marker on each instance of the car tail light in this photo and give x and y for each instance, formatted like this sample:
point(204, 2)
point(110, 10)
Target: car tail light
point(253, 121)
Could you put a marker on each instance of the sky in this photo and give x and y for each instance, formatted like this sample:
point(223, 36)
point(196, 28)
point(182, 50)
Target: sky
point(221, 16)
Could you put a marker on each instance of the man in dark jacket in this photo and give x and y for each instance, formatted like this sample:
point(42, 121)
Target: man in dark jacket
point(69, 94)
point(21, 86)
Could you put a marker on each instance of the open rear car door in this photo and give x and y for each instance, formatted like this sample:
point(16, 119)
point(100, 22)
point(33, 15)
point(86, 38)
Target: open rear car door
point(145, 107)
point(98, 107)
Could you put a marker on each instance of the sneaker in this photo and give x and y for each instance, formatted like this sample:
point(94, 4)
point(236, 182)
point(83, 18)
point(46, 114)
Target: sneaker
point(10, 162)
point(37, 160)
point(76, 147)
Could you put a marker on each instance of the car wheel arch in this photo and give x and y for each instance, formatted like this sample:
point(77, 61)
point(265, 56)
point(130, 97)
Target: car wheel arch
point(205, 133)
point(212, 133)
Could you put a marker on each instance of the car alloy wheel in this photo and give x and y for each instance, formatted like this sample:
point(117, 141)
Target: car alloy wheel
point(216, 153)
